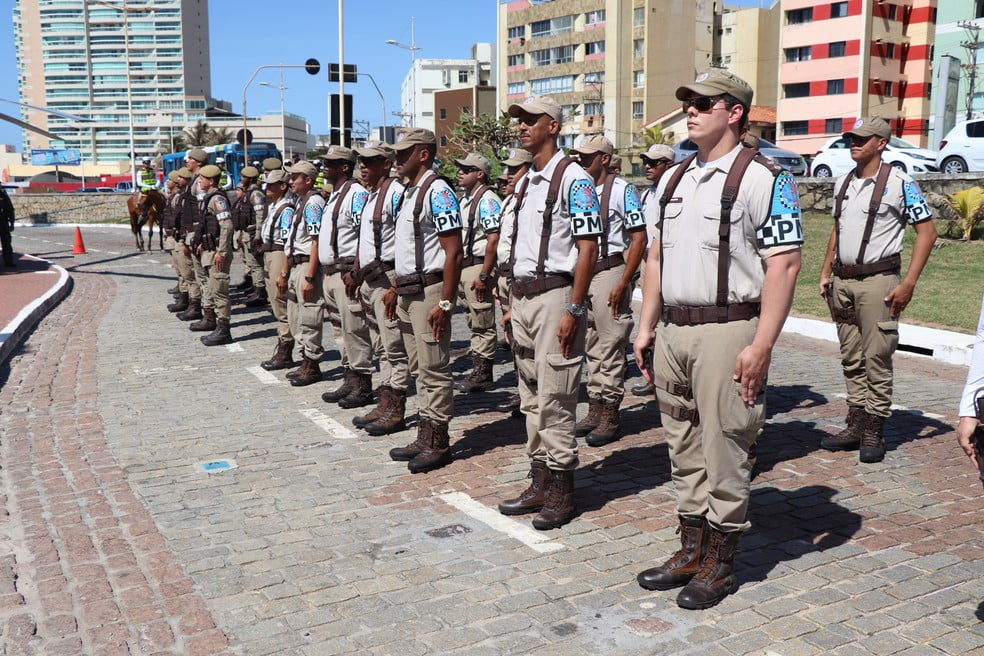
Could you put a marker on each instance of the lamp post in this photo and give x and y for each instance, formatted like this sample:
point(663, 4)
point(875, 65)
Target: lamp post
point(413, 48)
point(311, 66)
point(381, 99)
point(283, 123)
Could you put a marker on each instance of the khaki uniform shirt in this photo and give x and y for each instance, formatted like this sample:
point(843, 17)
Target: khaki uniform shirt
point(387, 232)
point(306, 224)
point(765, 221)
point(488, 216)
point(277, 221)
point(439, 215)
point(576, 214)
point(349, 218)
point(258, 200)
point(902, 203)
point(624, 215)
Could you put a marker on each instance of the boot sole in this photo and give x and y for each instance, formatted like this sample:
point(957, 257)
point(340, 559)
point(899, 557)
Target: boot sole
point(601, 441)
point(218, 342)
point(518, 511)
point(443, 461)
point(378, 432)
point(663, 586)
point(201, 330)
point(401, 458)
point(276, 367)
point(359, 403)
point(840, 447)
point(731, 589)
point(546, 526)
point(299, 382)
point(871, 459)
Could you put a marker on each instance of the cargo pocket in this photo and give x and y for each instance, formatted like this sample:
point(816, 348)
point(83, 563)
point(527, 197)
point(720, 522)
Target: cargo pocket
point(889, 332)
point(562, 376)
point(431, 355)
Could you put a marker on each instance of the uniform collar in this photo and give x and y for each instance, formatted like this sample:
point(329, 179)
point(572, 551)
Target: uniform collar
point(722, 164)
point(422, 180)
point(548, 170)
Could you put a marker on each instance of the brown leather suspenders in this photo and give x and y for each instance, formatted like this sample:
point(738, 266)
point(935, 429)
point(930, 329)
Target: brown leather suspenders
point(881, 181)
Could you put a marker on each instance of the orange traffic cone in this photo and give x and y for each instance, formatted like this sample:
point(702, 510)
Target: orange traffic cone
point(79, 247)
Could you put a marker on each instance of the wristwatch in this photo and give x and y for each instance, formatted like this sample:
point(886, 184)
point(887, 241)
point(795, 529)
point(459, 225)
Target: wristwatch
point(309, 279)
point(484, 277)
point(445, 306)
point(576, 310)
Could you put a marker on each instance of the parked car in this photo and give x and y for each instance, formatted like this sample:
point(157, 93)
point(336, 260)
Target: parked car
point(787, 159)
point(834, 158)
point(94, 190)
point(125, 186)
point(962, 149)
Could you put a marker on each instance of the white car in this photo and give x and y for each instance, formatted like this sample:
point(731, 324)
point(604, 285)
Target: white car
point(962, 149)
point(834, 159)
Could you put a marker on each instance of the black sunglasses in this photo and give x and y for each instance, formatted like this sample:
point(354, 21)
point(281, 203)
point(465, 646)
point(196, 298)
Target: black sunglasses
point(467, 169)
point(701, 103)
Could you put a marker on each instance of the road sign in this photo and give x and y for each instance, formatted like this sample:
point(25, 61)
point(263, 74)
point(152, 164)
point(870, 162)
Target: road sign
point(351, 74)
point(49, 157)
point(244, 137)
point(334, 134)
point(312, 66)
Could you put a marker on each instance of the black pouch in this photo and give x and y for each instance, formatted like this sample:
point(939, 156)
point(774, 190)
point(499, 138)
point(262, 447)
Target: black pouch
point(371, 271)
point(410, 285)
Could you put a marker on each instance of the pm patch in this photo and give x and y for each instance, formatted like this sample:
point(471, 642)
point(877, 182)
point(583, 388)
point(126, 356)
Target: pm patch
point(916, 207)
point(359, 199)
point(584, 208)
point(396, 202)
point(784, 226)
point(445, 210)
point(634, 217)
point(490, 214)
point(312, 218)
point(286, 220)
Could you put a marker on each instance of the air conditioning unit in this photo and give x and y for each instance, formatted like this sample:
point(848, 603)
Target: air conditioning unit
point(446, 77)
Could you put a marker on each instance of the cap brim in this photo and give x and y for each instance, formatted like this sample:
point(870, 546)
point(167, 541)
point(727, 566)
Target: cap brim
point(403, 146)
point(682, 93)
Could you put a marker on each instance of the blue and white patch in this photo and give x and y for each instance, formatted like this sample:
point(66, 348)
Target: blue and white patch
point(312, 218)
point(286, 220)
point(584, 209)
point(396, 202)
point(490, 214)
point(916, 207)
point(784, 226)
point(359, 200)
point(634, 217)
point(445, 210)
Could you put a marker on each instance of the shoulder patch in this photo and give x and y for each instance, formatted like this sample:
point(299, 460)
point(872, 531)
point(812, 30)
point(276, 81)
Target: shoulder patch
point(396, 201)
point(916, 207)
point(444, 209)
point(489, 214)
point(783, 227)
point(286, 220)
point(584, 208)
point(359, 199)
point(634, 217)
point(312, 217)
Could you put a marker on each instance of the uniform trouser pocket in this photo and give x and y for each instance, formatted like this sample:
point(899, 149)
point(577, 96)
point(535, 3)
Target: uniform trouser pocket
point(561, 376)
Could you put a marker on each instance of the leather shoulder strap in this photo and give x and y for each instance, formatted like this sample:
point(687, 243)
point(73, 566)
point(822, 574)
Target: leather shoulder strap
point(418, 235)
point(606, 200)
point(553, 192)
point(476, 200)
point(728, 196)
point(881, 181)
point(377, 216)
point(672, 184)
point(335, 211)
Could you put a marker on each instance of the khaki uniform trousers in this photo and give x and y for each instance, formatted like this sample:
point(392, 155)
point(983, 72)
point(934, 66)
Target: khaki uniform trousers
point(479, 314)
point(306, 318)
point(548, 382)
point(334, 319)
point(357, 344)
point(867, 348)
point(505, 290)
point(254, 267)
point(184, 264)
point(394, 365)
point(709, 461)
point(274, 263)
point(177, 255)
point(201, 279)
point(429, 359)
point(607, 337)
point(218, 283)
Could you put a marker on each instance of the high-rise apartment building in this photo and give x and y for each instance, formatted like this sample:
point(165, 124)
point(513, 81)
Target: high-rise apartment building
point(851, 58)
point(610, 63)
point(75, 56)
point(748, 46)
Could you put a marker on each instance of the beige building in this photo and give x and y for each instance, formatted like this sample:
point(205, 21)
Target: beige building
point(748, 45)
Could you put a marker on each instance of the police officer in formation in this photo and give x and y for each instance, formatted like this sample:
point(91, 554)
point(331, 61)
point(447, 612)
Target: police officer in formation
point(214, 247)
point(248, 214)
point(277, 221)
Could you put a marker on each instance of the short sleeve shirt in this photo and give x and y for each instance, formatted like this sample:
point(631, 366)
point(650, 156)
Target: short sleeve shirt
point(506, 226)
point(576, 215)
point(765, 221)
point(258, 200)
point(387, 228)
point(349, 217)
point(439, 215)
point(487, 219)
point(902, 203)
point(305, 225)
point(277, 221)
point(624, 215)
point(650, 209)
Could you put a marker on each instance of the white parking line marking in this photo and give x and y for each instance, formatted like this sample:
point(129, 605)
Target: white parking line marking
point(327, 424)
point(234, 348)
point(531, 538)
point(113, 253)
point(263, 375)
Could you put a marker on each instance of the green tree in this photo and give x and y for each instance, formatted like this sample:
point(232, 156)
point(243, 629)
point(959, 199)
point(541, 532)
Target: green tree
point(488, 134)
point(968, 207)
point(655, 135)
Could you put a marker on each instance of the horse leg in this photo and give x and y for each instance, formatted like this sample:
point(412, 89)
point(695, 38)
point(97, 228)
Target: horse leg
point(160, 230)
point(139, 233)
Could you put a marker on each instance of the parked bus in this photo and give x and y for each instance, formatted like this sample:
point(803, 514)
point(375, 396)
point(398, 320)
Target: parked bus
point(233, 154)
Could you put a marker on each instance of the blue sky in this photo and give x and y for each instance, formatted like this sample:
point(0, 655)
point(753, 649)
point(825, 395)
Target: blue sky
point(244, 37)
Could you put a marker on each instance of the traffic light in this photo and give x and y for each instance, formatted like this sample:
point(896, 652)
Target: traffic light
point(335, 134)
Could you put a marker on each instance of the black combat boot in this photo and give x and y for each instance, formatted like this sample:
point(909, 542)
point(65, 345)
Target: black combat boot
point(193, 312)
point(609, 426)
point(360, 394)
point(349, 380)
point(180, 303)
point(480, 377)
point(206, 323)
point(220, 335)
point(872, 439)
point(849, 438)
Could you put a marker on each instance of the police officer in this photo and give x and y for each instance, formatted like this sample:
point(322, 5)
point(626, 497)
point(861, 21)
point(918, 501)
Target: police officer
point(169, 220)
point(610, 294)
point(719, 283)
point(377, 273)
point(225, 180)
point(872, 205)
point(615, 167)
point(200, 297)
point(552, 264)
point(337, 250)
point(6, 227)
point(277, 221)
point(248, 214)
point(481, 212)
point(428, 269)
point(148, 177)
point(215, 251)
point(301, 279)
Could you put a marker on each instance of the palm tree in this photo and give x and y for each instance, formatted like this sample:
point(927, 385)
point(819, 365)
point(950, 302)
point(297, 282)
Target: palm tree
point(220, 136)
point(968, 207)
point(196, 135)
point(654, 135)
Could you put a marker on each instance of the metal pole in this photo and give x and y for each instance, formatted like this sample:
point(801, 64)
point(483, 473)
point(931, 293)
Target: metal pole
point(283, 119)
point(129, 96)
point(381, 98)
point(341, 74)
point(413, 74)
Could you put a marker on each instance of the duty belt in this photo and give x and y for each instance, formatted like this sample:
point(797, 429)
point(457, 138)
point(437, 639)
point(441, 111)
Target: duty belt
point(695, 315)
point(294, 260)
point(610, 262)
point(534, 286)
point(891, 264)
point(266, 248)
point(343, 265)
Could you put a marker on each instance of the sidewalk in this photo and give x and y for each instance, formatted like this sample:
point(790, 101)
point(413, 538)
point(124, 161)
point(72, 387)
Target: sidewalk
point(27, 293)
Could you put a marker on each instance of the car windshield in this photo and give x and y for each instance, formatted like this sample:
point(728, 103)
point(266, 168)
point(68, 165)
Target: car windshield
point(899, 143)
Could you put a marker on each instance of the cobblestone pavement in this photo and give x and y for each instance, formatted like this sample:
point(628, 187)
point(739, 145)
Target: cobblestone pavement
point(115, 541)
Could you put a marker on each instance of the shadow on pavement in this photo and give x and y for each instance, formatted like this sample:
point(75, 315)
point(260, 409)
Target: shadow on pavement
point(781, 399)
point(503, 432)
point(621, 473)
point(782, 441)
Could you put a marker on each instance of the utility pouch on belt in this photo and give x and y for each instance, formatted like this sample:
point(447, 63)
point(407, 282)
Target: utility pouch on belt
point(415, 283)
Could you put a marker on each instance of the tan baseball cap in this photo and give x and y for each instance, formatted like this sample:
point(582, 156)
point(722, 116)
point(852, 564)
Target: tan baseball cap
point(715, 81)
point(198, 155)
point(376, 149)
point(185, 173)
point(594, 143)
point(870, 126)
point(305, 167)
point(339, 153)
point(538, 105)
point(272, 164)
point(410, 137)
point(480, 162)
point(210, 171)
point(173, 176)
point(517, 156)
point(616, 162)
point(657, 152)
point(279, 175)
point(250, 172)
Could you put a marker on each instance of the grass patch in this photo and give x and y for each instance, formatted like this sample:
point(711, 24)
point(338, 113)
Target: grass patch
point(948, 294)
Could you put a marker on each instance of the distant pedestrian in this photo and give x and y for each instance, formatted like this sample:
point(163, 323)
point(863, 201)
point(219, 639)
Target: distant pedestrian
point(6, 227)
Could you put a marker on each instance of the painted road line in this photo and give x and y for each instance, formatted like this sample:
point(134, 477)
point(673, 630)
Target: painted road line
point(327, 424)
point(263, 375)
point(113, 253)
point(234, 348)
point(531, 538)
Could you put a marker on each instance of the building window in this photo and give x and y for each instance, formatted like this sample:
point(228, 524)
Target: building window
point(797, 90)
point(639, 17)
point(596, 77)
point(833, 126)
point(835, 87)
point(638, 79)
point(803, 53)
point(466, 109)
point(636, 109)
point(795, 128)
point(638, 48)
point(517, 31)
point(547, 56)
point(888, 90)
point(549, 85)
point(838, 9)
point(443, 113)
point(463, 77)
point(516, 88)
point(594, 109)
point(594, 48)
point(889, 50)
point(798, 16)
point(444, 142)
point(979, 9)
point(837, 49)
point(551, 26)
point(569, 111)
point(517, 60)
point(594, 17)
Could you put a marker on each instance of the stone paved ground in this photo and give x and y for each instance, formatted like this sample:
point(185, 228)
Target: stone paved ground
point(315, 543)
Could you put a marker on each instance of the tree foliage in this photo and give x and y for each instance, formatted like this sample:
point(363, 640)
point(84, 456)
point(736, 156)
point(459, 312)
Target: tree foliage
point(201, 134)
point(488, 134)
point(968, 206)
point(655, 135)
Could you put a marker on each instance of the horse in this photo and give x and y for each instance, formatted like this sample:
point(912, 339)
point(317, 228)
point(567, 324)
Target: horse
point(145, 207)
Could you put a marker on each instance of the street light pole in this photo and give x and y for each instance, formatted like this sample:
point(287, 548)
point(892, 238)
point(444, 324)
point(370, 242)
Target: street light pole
point(307, 67)
point(283, 123)
point(413, 48)
point(381, 99)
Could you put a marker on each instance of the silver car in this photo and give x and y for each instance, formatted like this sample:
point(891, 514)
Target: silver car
point(787, 159)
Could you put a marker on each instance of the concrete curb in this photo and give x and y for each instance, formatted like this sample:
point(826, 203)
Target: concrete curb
point(14, 333)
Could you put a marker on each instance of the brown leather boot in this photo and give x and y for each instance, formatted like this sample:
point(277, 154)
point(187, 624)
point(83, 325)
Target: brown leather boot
point(849, 438)
point(393, 418)
point(609, 427)
point(558, 506)
point(682, 565)
point(206, 323)
point(872, 439)
point(381, 405)
point(220, 335)
point(531, 500)
point(410, 451)
point(480, 377)
point(282, 357)
point(590, 420)
point(361, 393)
point(180, 303)
point(308, 374)
point(349, 380)
point(716, 579)
point(193, 312)
point(435, 454)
